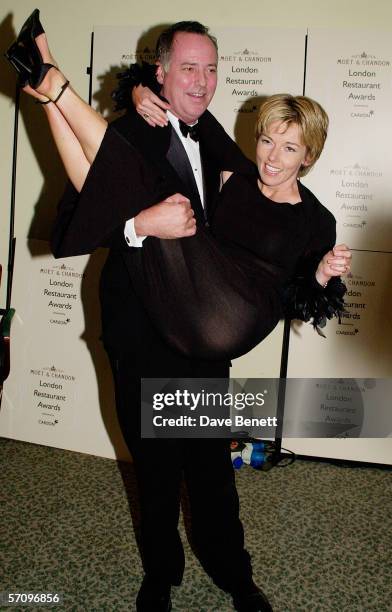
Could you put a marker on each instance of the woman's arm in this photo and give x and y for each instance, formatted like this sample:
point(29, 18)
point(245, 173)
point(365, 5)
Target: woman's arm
point(138, 90)
point(334, 263)
point(150, 106)
point(315, 292)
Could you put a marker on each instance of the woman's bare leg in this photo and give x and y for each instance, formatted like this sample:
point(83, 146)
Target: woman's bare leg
point(88, 126)
point(77, 129)
point(74, 160)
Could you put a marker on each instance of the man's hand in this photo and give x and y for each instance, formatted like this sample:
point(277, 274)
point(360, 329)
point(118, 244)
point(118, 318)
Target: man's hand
point(149, 106)
point(172, 218)
point(334, 263)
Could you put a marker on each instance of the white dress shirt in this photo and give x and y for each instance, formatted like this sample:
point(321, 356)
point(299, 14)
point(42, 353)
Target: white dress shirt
point(193, 152)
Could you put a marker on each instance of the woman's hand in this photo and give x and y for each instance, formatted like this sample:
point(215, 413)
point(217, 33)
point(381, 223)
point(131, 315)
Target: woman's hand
point(334, 263)
point(149, 106)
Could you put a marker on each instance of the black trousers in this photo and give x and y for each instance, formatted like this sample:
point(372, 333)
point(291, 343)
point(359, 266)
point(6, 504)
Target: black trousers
point(160, 466)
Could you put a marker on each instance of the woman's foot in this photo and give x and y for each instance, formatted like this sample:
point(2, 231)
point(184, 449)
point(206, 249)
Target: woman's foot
point(31, 57)
point(34, 94)
point(52, 80)
point(24, 54)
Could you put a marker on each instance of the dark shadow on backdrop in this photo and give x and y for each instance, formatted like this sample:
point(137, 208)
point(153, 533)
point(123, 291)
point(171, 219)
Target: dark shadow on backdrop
point(44, 213)
point(38, 132)
point(145, 48)
point(244, 127)
point(54, 176)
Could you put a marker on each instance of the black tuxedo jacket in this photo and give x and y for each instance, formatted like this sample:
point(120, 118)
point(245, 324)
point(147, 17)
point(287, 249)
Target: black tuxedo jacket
point(122, 181)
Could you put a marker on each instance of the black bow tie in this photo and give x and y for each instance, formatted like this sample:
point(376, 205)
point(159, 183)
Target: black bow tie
point(192, 130)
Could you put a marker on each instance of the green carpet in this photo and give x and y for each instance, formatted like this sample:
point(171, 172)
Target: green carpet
point(320, 535)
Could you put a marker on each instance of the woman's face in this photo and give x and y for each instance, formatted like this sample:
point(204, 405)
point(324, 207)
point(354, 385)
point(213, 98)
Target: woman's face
point(280, 153)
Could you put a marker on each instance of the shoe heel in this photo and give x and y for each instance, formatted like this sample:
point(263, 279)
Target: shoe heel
point(18, 58)
point(24, 54)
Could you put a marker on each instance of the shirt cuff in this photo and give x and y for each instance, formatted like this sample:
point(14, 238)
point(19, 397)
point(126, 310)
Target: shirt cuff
point(130, 235)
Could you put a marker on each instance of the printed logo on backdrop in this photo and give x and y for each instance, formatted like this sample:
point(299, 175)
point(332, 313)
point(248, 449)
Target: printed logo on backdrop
point(362, 82)
point(354, 193)
point(60, 290)
point(359, 294)
point(243, 77)
point(52, 390)
point(338, 407)
point(324, 408)
point(146, 55)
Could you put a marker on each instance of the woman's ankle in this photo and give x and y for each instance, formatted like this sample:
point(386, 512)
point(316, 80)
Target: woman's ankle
point(40, 98)
point(52, 84)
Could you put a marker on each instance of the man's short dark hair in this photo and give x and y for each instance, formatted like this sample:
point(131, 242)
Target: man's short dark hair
point(165, 40)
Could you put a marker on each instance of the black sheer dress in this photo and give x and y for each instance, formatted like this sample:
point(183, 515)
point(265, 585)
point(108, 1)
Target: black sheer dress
point(215, 295)
point(218, 294)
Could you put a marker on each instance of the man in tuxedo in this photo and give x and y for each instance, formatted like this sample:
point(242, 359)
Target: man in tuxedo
point(179, 164)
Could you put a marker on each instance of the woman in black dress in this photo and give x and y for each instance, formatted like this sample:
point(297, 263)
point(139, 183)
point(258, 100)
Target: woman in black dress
point(270, 242)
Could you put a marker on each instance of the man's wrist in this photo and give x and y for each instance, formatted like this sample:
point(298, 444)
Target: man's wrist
point(139, 225)
point(131, 237)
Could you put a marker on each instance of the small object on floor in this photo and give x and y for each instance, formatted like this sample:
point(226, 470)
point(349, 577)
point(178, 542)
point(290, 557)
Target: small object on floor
point(236, 447)
point(253, 452)
point(237, 461)
point(153, 596)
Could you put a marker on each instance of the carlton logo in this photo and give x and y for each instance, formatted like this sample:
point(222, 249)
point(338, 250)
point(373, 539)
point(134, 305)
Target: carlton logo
point(362, 59)
point(360, 225)
point(362, 115)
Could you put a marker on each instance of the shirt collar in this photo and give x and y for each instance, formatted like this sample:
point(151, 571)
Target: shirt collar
point(175, 124)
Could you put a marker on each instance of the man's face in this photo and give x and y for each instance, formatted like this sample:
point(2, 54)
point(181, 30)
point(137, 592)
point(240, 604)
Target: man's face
point(190, 82)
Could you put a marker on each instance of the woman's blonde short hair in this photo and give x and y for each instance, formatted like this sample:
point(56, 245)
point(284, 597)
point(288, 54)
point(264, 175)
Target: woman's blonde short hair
point(305, 112)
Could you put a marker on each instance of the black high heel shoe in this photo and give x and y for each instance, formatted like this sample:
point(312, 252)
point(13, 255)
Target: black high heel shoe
point(21, 63)
point(25, 56)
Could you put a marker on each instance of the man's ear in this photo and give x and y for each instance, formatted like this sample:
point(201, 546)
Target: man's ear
point(160, 73)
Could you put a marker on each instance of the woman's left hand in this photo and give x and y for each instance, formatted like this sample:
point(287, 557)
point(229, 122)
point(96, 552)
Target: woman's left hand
point(149, 106)
point(334, 263)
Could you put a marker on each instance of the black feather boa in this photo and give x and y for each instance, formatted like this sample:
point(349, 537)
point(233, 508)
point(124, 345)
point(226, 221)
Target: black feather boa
point(309, 301)
point(127, 80)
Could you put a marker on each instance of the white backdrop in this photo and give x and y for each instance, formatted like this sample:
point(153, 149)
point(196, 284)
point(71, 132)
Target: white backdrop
point(354, 164)
point(52, 396)
point(350, 74)
point(57, 344)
